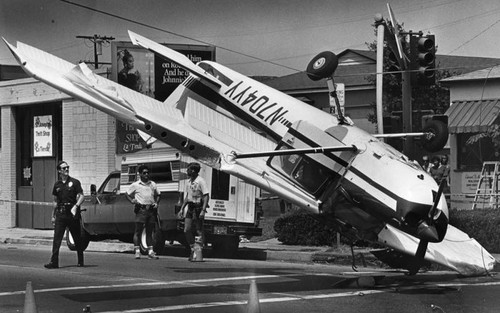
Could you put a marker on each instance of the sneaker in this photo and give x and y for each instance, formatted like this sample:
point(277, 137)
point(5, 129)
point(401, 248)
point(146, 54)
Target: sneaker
point(51, 265)
point(80, 264)
point(137, 254)
point(152, 255)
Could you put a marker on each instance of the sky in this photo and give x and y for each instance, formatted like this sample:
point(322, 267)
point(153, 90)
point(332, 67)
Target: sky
point(254, 37)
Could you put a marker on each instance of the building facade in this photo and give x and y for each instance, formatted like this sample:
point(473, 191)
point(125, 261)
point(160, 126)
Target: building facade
point(74, 132)
point(475, 107)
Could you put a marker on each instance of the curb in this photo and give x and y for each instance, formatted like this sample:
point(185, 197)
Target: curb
point(245, 252)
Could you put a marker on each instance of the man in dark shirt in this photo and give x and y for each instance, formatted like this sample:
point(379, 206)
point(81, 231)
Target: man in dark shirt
point(68, 195)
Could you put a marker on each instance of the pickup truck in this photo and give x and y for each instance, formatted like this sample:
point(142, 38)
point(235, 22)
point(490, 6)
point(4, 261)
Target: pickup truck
point(107, 214)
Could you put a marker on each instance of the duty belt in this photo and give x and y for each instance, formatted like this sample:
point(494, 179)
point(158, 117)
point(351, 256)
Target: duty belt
point(145, 206)
point(64, 204)
point(64, 207)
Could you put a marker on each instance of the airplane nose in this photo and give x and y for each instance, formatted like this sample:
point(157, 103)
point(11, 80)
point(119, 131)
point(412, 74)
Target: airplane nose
point(427, 232)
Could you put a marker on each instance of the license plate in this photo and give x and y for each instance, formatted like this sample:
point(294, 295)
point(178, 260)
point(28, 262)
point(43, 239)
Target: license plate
point(220, 230)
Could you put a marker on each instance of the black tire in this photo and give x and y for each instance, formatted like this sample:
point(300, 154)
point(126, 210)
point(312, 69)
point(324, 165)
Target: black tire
point(157, 238)
point(438, 138)
point(322, 66)
point(84, 239)
point(226, 246)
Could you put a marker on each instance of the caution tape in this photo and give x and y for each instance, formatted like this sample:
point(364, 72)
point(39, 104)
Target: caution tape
point(52, 204)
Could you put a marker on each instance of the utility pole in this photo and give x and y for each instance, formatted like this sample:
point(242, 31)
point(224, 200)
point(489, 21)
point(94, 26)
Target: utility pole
point(97, 40)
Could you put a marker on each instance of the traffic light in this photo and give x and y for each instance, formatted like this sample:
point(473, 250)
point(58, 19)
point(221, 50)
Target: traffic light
point(423, 59)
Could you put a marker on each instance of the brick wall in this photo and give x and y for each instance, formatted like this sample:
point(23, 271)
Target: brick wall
point(88, 143)
point(7, 167)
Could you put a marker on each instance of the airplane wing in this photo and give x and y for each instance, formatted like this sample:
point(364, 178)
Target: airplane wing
point(162, 120)
point(457, 251)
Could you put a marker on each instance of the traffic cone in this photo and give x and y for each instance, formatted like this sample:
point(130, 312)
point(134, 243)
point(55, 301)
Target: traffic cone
point(197, 253)
point(29, 300)
point(253, 305)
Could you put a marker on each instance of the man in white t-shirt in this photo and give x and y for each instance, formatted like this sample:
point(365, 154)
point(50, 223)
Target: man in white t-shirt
point(196, 201)
point(145, 196)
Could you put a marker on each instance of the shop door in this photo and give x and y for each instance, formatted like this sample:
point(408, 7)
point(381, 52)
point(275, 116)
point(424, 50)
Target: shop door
point(44, 177)
point(38, 154)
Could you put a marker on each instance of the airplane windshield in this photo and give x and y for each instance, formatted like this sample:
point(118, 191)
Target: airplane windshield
point(304, 171)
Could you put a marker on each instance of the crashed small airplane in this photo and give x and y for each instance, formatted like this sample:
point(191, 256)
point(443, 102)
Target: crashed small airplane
point(318, 161)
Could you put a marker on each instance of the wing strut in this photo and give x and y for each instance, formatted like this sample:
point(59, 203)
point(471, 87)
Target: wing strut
point(293, 151)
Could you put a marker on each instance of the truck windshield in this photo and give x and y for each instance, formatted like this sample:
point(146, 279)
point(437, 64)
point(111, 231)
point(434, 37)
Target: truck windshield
point(112, 185)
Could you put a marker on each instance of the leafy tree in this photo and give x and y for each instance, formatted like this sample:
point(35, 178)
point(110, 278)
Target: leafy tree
point(493, 133)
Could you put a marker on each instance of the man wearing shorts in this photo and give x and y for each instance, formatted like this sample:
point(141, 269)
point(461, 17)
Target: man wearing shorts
point(145, 196)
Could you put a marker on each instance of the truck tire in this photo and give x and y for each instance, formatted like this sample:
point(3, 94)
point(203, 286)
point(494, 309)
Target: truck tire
point(158, 240)
point(84, 238)
point(226, 246)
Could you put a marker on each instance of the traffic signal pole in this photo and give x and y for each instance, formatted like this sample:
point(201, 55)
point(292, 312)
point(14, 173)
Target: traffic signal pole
point(407, 112)
point(379, 20)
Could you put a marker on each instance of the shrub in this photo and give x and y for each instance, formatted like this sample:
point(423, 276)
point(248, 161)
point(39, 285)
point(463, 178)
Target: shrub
point(482, 225)
point(302, 228)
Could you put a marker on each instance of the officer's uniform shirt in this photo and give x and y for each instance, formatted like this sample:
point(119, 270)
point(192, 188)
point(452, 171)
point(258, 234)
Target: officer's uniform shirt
point(67, 192)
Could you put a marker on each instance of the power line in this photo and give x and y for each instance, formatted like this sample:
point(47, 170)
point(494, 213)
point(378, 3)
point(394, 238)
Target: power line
point(97, 41)
point(178, 35)
point(257, 59)
point(482, 32)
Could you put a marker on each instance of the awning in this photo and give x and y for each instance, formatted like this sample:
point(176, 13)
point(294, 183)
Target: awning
point(472, 116)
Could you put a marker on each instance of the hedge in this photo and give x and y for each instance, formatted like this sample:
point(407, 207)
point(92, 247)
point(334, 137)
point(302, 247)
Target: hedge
point(482, 225)
point(302, 228)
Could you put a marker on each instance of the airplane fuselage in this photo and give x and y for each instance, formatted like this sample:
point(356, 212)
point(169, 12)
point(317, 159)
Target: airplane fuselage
point(378, 179)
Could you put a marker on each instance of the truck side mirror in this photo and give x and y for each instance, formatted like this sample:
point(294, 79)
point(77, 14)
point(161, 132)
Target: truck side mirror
point(93, 190)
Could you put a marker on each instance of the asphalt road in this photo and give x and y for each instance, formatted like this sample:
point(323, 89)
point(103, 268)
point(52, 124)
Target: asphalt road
point(116, 282)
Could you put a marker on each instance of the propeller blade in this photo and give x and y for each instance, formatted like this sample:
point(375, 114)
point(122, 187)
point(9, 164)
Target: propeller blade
point(422, 248)
point(436, 198)
point(419, 257)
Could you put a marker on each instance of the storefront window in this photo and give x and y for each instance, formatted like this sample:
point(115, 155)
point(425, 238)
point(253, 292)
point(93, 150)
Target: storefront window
point(470, 157)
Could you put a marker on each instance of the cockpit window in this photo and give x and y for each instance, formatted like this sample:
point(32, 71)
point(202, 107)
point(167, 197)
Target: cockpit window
point(304, 171)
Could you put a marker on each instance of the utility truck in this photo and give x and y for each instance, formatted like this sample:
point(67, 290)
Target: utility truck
point(233, 210)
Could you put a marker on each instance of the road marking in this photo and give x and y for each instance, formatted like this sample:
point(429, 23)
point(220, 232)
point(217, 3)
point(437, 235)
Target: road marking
point(280, 299)
point(155, 283)
point(287, 297)
point(244, 302)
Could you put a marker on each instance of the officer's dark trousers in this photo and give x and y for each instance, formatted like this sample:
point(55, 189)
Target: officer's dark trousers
point(64, 220)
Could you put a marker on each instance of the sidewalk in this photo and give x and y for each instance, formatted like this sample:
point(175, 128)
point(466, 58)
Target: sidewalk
point(268, 250)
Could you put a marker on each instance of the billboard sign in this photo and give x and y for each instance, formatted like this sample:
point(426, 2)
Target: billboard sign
point(150, 74)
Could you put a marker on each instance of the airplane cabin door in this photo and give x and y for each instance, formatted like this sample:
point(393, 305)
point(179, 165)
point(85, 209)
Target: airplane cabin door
point(222, 196)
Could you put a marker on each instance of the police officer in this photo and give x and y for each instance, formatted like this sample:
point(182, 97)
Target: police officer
point(68, 195)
